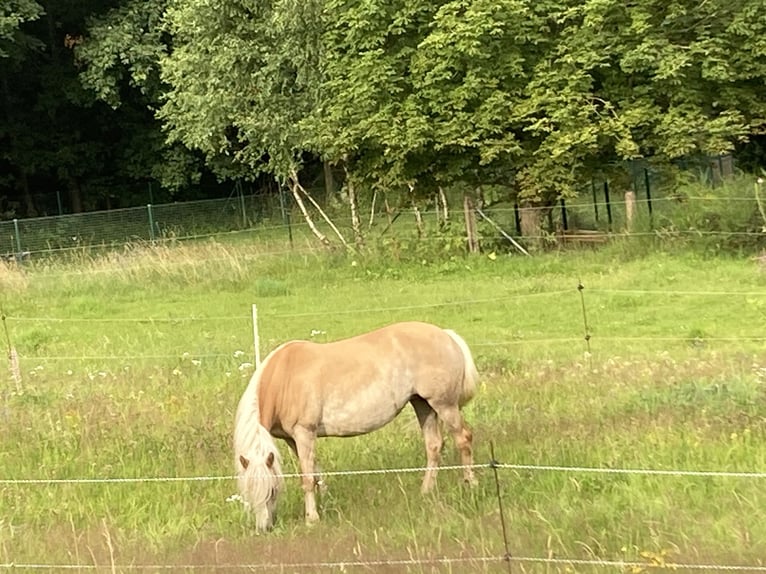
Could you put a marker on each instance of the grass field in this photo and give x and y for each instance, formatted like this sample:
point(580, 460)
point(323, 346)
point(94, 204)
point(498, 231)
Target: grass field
point(133, 364)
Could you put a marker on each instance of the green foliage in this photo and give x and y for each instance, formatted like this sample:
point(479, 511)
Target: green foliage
point(241, 78)
point(123, 50)
point(13, 14)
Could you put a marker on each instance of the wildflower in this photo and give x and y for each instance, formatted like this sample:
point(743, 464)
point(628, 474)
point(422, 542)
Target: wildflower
point(238, 354)
point(244, 366)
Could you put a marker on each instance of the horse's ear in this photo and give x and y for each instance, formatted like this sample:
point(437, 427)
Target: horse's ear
point(244, 462)
point(270, 460)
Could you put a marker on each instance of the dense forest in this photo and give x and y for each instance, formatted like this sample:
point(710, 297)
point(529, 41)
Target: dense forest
point(119, 102)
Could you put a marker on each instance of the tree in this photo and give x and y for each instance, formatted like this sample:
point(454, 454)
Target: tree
point(242, 76)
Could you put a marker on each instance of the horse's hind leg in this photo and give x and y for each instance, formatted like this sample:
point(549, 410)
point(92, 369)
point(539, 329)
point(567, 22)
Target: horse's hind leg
point(429, 424)
point(304, 446)
point(463, 436)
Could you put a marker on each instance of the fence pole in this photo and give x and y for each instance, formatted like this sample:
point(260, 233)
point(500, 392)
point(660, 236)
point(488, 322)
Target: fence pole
point(242, 205)
point(595, 199)
point(581, 288)
point(256, 338)
point(517, 217)
point(151, 221)
point(648, 193)
point(18, 239)
point(493, 465)
point(58, 201)
point(630, 209)
point(608, 205)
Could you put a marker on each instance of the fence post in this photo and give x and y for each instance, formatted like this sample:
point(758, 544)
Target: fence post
point(242, 205)
point(58, 201)
point(630, 209)
point(608, 205)
point(595, 199)
point(648, 192)
point(151, 221)
point(517, 217)
point(18, 239)
point(256, 338)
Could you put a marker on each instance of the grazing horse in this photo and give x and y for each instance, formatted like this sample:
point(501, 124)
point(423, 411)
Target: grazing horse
point(304, 390)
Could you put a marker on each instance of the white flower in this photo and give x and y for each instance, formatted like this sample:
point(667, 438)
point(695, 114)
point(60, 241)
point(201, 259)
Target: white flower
point(238, 353)
point(244, 366)
point(196, 362)
point(177, 371)
point(315, 332)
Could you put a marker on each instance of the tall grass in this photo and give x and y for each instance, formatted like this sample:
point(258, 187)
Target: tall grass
point(133, 362)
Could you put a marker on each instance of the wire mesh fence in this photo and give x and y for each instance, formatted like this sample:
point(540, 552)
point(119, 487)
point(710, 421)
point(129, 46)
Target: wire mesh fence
point(644, 205)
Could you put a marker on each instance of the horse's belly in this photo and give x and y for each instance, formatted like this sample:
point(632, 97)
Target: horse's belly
point(348, 418)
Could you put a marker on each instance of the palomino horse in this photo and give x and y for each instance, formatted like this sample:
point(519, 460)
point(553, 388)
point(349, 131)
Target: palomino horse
point(304, 390)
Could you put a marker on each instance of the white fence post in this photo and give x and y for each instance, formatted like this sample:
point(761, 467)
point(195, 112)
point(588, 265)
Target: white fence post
point(256, 339)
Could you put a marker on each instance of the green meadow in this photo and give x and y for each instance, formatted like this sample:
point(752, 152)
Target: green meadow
point(132, 363)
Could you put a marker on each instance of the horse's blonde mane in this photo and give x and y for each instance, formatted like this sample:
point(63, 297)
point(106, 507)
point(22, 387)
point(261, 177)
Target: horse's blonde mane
point(254, 442)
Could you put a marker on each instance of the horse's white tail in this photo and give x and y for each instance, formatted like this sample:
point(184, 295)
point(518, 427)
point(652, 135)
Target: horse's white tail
point(470, 374)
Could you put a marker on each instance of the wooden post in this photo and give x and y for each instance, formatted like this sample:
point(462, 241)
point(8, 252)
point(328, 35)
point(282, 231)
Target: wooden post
point(470, 225)
point(630, 208)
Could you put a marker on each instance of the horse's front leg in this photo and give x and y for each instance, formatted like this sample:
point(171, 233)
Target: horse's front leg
point(304, 446)
point(318, 479)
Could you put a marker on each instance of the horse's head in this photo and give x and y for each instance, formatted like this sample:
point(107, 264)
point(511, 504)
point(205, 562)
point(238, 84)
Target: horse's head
point(260, 482)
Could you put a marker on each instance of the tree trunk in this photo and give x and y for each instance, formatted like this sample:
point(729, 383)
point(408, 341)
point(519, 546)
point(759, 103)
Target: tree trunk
point(23, 179)
point(75, 195)
point(294, 187)
point(356, 224)
point(28, 201)
point(299, 188)
point(443, 199)
point(418, 221)
point(372, 208)
point(531, 219)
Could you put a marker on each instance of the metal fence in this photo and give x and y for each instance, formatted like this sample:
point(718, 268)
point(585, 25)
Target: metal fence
point(601, 208)
point(20, 237)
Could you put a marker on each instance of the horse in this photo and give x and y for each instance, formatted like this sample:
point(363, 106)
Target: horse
point(304, 390)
